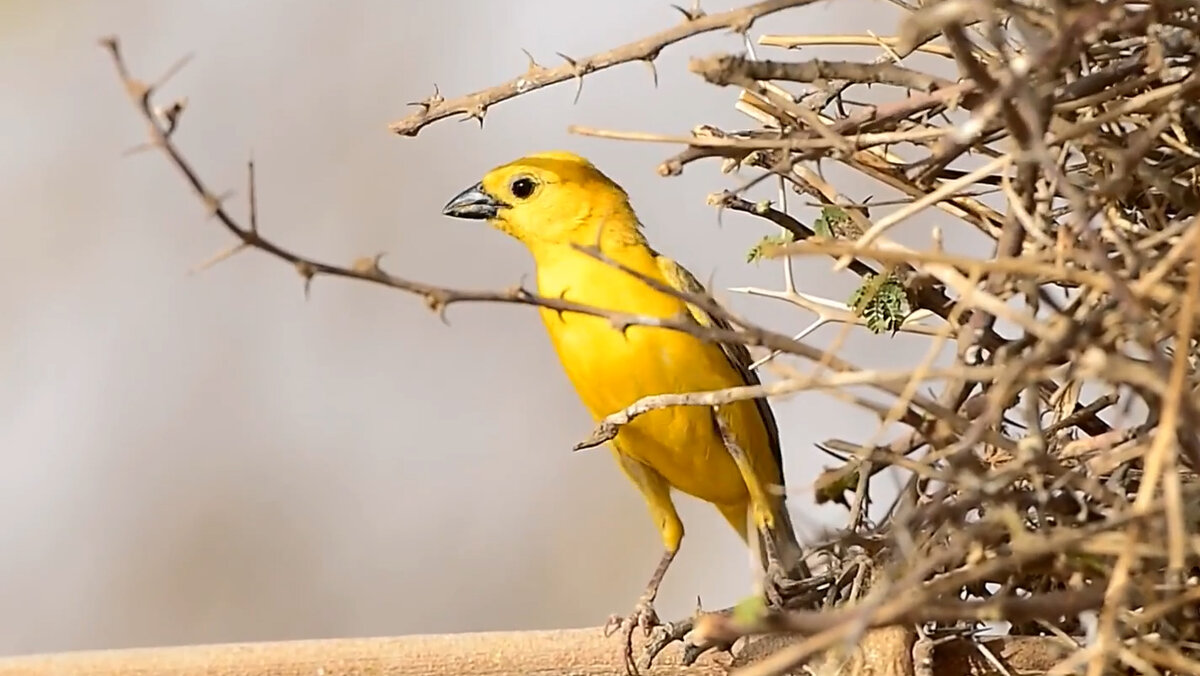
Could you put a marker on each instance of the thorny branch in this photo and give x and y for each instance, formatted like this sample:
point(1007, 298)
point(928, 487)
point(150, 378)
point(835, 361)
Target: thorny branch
point(647, 49)
point(368, 268)
point(1049, 477)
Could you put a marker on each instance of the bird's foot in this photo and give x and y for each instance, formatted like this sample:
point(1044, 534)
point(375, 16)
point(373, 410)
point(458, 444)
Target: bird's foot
point(643, 617)
point(779, 587)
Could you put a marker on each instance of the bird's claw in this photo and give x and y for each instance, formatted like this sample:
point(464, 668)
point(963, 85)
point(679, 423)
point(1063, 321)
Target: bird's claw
point(644, 617)
point(613, 623)
point(779, 587)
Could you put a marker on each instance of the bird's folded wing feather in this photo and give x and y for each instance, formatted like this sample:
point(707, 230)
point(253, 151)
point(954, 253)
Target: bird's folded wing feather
point(737, 354)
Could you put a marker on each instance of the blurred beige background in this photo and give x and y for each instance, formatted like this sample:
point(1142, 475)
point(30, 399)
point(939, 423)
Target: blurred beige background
point(204, 458)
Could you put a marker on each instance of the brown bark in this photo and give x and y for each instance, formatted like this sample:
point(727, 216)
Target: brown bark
point(580, 652)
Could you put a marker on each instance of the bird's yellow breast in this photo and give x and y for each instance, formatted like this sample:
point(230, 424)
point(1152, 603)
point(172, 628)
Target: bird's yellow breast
point(611, 369)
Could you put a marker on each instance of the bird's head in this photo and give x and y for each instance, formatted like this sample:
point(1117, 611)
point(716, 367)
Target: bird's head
point(549, 198)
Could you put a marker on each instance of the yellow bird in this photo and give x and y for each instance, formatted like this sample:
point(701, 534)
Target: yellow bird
point(554, 200)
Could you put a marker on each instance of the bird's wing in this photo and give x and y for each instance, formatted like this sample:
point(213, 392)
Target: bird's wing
point(737, 354)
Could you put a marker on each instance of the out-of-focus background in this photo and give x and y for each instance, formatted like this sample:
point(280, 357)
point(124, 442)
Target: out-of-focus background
point(211, 457)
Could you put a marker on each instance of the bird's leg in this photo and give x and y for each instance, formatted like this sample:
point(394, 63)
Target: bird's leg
point(773, 571)
point(645, 604)
point(784, 569)
point(643, 614)
point(776, 580)
point(786, 574)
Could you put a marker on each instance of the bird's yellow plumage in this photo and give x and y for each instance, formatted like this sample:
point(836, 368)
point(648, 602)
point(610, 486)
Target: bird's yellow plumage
point(552, 201)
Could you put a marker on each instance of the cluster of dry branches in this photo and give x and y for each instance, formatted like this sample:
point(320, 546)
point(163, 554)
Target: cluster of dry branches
point(1049, 485)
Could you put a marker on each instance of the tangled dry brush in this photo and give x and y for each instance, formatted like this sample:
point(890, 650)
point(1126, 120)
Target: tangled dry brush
point(1049, 479)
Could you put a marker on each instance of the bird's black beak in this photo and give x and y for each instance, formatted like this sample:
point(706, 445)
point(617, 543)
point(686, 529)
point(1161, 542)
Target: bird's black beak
point(473, 203)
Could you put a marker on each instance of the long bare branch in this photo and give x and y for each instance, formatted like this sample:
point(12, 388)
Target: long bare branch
point(646, 49)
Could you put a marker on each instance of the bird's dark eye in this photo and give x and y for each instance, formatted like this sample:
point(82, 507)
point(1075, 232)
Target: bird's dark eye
point(522, 187)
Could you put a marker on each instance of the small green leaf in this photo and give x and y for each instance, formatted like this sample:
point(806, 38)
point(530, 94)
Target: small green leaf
point(882, 301)
point(835, 491)
point(830, 218)
point(756, 253)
